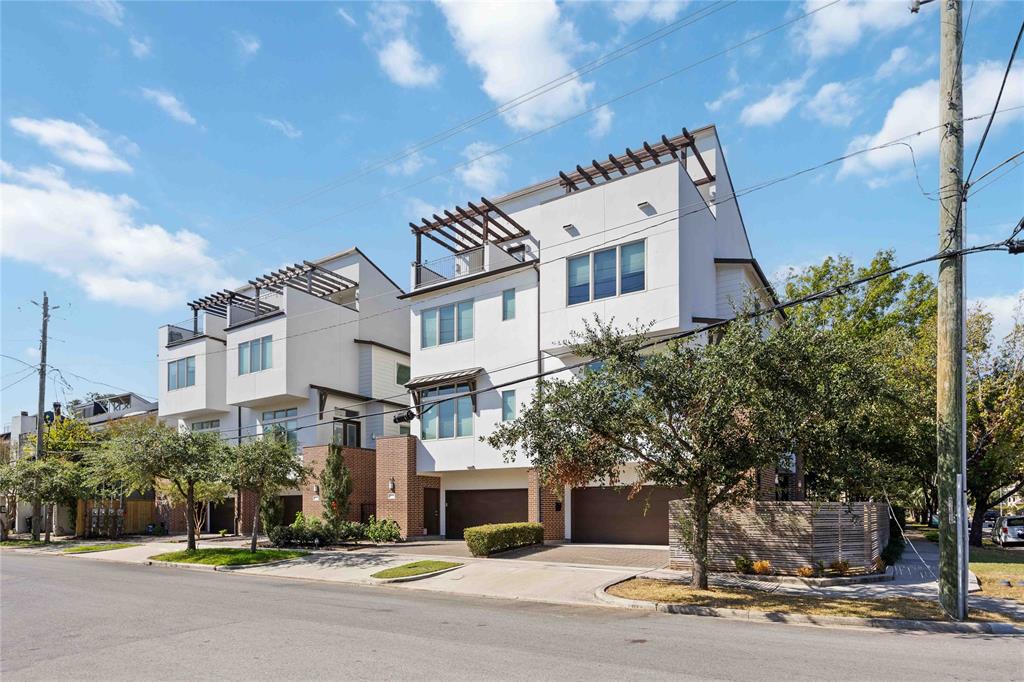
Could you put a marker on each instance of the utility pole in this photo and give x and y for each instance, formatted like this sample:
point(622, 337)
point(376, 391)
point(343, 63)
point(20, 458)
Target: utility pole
point(40, 406)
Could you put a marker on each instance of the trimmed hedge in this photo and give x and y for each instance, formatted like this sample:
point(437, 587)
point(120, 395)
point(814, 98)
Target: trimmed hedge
point(497, 537)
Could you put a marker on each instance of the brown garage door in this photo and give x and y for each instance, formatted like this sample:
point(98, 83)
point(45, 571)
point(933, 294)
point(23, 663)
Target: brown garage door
point(467, 508)
point(609, 515)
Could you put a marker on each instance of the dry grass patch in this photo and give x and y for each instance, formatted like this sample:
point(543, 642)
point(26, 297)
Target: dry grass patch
point(668, 592)
point(993, 565)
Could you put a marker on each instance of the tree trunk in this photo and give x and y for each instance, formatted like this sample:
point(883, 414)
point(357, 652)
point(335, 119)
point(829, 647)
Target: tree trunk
point(238, 511)
point(48, 521)
point(37, 518)
point(701, 512)
point(255, 523)
point(976, 525)
point(190, 521)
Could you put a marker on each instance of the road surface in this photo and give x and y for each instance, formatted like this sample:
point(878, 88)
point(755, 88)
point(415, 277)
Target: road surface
point(75, 618)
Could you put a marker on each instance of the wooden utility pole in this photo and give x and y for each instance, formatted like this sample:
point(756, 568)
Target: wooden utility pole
point(950, 397)
point(40, 407)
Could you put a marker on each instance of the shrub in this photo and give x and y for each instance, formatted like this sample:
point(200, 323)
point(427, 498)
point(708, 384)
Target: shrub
point(303, 532)
point(893, 550)
point(743, 564)
point(806, 571)
point(841, 567)
point(383, 530)
point(350, 530)
point(497, 537)
point(223, 532)
point(879, 564)
point(763, 567)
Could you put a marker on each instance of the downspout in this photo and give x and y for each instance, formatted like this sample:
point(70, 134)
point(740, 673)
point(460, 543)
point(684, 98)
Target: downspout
point(238, 491)
point(540, 369)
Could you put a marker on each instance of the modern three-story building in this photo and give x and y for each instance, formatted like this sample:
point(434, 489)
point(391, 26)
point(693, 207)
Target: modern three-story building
point(498, 288)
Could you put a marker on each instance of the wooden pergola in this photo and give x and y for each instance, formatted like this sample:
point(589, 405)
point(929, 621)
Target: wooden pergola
point(667, 149)
point(467, 228)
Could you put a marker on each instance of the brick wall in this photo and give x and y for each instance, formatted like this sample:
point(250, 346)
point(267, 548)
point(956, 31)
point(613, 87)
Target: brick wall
point(362, 465)
point(396, 459)
point(247, 505)
point(172, 516)
point(549, 510)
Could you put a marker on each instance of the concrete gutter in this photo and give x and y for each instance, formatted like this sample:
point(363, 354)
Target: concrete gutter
point(801, 619)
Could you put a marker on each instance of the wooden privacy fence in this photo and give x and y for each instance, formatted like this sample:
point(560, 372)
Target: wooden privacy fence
point(790, 535)
point(113, 517)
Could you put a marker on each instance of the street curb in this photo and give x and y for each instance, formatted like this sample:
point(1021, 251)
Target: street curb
point(207, 567)
point(411, 578)
point(800, 619)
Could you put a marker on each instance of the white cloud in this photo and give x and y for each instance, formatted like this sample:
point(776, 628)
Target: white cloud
point(32, 352)
point(776, 105)
point(72, 143)
point(483, 173)
point(410, 165)
point(391, 37)
point(171, 105)
point(110, 11)
point(284, 127)
point(916, 108)
point(141, 47)
point(726, 97)
point(519, 47)
point(662, 11)
point(603, 117)
point(1002, 309)
point(834, 104)
point(346, 17)
point(898, 60)
point(247, 44)
point(417, 209)
point(836, 29)
point(95, 240)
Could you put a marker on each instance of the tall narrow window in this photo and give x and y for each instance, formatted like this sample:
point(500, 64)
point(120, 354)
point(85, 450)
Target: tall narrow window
point(446, 319)
point(579, 279)
point(428, 328)
point(632, 268)
point(604, 274)
point(465, 320)
point(508, 304)
point(508, 405)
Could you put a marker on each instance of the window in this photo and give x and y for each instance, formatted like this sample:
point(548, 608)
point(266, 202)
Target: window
point(402, 374)
point(181, 373)
point(256, 355)
point(284, 421)
point(348, 433)
point(206, 425)
point(449, 419)
point(508, 304)
point(446, 324)
point(606, 273)
point(508, 406)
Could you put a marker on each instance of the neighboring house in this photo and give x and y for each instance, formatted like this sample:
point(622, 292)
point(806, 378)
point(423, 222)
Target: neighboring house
point(317, 350)
point(637, 237)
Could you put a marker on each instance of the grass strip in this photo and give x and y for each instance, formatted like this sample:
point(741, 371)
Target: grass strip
point(21, 542)
point(414, 568)
point(229, 556)
point(106, 547)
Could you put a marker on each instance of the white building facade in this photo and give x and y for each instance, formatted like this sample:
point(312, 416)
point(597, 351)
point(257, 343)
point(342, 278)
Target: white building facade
point(638, 238)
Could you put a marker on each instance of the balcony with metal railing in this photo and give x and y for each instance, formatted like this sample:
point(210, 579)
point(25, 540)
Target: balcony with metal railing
point(450, 267)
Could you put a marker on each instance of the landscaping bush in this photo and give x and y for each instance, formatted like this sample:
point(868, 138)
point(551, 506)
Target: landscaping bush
point(497, 537)
point(763, 567)
point(892, 552)
point(806, 571)
point(303, 532)
point(350, 530)
point(383, 530)
point(743, 564)
point(840, 567)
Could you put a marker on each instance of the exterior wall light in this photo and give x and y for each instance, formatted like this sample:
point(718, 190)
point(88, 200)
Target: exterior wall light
point(391, 485)
point(569, 227)
point(644, 206)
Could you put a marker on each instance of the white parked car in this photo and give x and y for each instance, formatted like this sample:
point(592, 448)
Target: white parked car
point(1008, 529)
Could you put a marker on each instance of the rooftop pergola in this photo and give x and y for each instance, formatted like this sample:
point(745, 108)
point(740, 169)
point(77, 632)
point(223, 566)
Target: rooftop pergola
point(667, 149)
point(468, 228)
point(307, 277)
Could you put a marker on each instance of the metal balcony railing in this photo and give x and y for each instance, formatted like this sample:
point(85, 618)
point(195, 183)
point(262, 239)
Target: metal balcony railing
point(450, 267)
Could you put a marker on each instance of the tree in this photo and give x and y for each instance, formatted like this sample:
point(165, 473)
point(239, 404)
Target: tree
point(9, 487)
point(995, 405)
point(206, 493)
point(335, 487)
point(265, 465)
point(143, 453)
point(706, 416)
point(49, 480)
point(66, 437)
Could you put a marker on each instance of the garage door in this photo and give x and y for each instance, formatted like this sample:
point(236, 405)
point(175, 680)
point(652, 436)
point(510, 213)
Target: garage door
point(467, 508)
point(609, 515)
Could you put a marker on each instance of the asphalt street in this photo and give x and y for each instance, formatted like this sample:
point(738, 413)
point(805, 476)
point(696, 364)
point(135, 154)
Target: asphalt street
point(65, 618)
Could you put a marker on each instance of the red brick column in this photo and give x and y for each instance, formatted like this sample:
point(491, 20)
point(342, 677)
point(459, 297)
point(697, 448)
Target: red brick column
point(247, 504)
point(396, 460)
point(362, 466)
point(546, 507)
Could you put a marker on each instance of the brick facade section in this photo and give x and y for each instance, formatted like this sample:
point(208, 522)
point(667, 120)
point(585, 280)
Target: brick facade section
point(546, 507)
point(768, 490)
point(362, 466)
point(396, 459)
point(247, 505)
point(171, 516)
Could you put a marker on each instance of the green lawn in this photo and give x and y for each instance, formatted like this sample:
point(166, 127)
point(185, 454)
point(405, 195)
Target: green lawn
point(85, 549)
point(22, 542)
point(414, 568)
point(992, 564)
point(229, 556)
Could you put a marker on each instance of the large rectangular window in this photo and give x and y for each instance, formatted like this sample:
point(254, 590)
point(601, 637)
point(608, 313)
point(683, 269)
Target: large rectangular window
point(402, 374)
point(284, 421)
point(446, 324)
point(508, 406)
point(452, 418)
point(348, 433)
point(508, 304)
point(181, 373)
point(606, 273)
point(208, 425)
point(256, 355)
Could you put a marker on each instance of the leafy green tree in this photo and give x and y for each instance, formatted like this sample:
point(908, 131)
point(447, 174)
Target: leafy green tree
point(66, 438)
point(49, 480)
point(335, 487)
point(143, 453)
point(265, 465)
point(9, 488)
point(205, 494)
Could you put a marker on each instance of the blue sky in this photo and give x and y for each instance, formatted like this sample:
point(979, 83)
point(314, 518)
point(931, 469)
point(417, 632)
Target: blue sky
point(154, 152)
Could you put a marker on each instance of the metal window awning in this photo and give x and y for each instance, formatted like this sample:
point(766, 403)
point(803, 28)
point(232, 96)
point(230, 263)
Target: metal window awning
point(674, 148)
point(307, 277)
point(443, 378)
point(470, 228)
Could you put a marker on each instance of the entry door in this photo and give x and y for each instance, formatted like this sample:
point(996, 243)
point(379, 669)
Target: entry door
point(432, 510)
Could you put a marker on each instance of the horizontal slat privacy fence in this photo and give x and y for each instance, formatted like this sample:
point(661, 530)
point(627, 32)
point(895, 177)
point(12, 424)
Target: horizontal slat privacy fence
point(790, 535)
